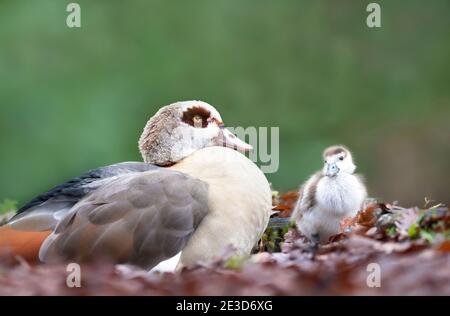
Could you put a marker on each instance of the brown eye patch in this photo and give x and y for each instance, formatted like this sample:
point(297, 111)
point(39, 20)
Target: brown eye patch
point(194, 115)
point(334, 150)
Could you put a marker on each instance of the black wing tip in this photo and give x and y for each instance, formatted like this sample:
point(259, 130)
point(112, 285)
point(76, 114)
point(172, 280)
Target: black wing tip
point(76, 188)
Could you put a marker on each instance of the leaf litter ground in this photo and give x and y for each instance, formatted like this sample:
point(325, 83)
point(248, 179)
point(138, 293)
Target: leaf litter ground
point(411, 246)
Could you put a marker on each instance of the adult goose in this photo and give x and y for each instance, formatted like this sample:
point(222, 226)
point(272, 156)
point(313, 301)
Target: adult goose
point(192, 197)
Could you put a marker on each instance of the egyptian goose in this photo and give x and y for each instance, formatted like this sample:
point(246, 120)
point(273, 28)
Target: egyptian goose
point(192, 197)
point(329, 196)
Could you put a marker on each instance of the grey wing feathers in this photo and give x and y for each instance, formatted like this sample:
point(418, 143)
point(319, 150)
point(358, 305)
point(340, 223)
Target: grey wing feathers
point(41, 211)
point(139, 219)
point(307, 194)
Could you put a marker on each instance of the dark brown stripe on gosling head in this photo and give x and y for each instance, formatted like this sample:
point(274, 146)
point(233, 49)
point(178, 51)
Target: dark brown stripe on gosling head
point(334, 150)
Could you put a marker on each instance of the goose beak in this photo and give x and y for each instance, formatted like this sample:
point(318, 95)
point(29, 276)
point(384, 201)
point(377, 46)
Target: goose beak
point(331, 170)
point(228, 139)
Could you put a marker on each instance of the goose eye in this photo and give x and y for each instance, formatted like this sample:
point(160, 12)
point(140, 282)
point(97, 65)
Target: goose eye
point(197, 120)
point(341, 158)
point(196, 117)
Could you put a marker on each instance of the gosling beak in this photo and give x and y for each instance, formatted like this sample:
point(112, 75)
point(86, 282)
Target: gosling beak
point(331, 170)
point(228, 139)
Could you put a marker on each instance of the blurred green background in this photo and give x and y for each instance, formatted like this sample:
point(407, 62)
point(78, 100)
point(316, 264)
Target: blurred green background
point(75, 99)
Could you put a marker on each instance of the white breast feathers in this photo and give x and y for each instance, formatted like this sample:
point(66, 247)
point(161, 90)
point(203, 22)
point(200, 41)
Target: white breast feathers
point(335, 198)
point(239, 201)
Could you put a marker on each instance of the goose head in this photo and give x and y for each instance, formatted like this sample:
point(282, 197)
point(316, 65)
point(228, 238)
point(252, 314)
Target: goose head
point(179, 129)
point(337, 160)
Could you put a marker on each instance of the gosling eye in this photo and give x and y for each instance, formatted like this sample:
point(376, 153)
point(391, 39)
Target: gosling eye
point(341, 158)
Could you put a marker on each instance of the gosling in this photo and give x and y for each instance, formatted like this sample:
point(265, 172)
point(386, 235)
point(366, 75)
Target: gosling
point(329, 196)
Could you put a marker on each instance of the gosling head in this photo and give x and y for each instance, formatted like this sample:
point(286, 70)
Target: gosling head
point(337, 160)
point(179, 129)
